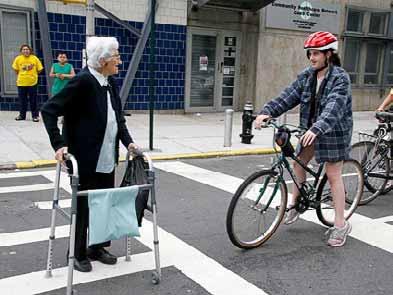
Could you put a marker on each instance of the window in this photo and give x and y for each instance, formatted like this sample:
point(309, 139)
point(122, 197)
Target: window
point(14, 31)
point(378, 23)
point(368, 53)
point(355, 21)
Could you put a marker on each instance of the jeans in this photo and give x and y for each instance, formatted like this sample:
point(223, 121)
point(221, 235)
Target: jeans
point(26, 93)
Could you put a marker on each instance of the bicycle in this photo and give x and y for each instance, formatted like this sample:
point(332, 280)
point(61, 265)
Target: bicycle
point(259, 204)
point(375, 155)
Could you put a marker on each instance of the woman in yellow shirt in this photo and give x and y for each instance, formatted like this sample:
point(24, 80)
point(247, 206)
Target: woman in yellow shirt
point(27, 67)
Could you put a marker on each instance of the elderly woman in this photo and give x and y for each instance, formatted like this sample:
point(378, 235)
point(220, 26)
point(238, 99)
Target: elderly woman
point(93, 126)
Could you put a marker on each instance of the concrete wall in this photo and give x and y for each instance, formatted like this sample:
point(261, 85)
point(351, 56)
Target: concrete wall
point(169, 12)
point(281, 57)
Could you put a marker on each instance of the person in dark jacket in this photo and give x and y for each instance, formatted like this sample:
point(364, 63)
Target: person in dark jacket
point(93, 126)
point(323, 92)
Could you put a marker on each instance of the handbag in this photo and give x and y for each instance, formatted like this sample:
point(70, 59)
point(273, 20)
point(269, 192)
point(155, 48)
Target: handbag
point(136, 173)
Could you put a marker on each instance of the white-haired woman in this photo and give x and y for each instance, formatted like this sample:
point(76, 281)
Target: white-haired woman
point(93, 126)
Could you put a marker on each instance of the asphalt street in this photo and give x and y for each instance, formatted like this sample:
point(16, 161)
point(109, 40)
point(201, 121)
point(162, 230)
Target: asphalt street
point(196, 254)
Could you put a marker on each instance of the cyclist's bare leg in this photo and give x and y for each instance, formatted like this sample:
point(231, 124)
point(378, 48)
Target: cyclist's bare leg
point(305, 156)
point(334, 174)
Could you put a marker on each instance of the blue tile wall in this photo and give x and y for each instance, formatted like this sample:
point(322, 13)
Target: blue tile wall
point(67, 33)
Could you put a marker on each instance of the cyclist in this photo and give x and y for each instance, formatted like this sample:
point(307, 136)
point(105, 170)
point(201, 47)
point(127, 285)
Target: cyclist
point(323, 92)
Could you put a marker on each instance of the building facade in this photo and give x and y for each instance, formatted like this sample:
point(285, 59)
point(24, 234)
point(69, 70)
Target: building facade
point(217, 56)
point(19, 25)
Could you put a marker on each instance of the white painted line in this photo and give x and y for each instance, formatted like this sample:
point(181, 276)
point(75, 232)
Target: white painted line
point(205, 271)
point(215, 179)
point(32, 236)
point(385, 219)
point(64, 179)
point(20, 174)
point(364, 228)
point(45, 205)
point(49, 174)
point(36, 283)
point(26, 188)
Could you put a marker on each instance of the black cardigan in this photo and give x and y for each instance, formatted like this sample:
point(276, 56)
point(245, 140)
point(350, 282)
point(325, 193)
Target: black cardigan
point(83, 103)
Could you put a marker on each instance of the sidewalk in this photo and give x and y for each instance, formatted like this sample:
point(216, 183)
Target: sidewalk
point(175, 136)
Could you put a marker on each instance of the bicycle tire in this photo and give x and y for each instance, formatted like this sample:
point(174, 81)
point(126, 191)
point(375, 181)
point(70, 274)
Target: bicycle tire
point(376, 186)
point(353, 184)
point(238, 229)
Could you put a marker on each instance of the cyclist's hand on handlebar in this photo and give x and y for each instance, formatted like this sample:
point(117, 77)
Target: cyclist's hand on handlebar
point(261, 120)
point(59, 155)
point(308, 138)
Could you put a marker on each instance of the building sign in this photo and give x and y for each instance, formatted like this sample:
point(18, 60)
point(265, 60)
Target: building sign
point(303, 15)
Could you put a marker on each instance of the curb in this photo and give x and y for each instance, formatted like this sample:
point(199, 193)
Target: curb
point(203, 155)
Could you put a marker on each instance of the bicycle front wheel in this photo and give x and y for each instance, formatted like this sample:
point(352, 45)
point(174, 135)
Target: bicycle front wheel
point(256, 209)
point(374, 163)
point(352, 175)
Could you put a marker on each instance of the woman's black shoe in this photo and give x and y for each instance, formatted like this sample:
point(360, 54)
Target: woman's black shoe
point(83, 265)
point(101, 255)
point(19, 118)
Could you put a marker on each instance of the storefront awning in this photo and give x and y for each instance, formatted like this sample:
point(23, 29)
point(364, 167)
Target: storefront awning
point(251, 5)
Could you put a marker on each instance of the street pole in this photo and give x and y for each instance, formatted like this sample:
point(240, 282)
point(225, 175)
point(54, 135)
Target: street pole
point(152, 71)
point(90, 27)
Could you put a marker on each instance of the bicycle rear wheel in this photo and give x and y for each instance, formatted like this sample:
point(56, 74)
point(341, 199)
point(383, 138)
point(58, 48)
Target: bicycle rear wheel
point(353, 185)
point(256, 209)
point(372, 161)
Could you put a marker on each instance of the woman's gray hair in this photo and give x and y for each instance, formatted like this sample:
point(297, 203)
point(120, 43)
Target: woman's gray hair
point(100, 48)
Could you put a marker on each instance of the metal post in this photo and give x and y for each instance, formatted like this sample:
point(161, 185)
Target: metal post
point(90, 27)
point(152, 70)
point(228, 128)
point(55, 203)
point(46, 44)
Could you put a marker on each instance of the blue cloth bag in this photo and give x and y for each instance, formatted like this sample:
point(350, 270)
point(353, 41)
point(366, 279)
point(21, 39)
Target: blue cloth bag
point(112, 214)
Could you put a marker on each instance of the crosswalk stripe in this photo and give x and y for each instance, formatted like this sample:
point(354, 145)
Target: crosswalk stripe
point(205, 271)
point(36, 283)
point(45, 205)
point(26, 188)
point(32, 236)
point(20, 174)
point(365, 229)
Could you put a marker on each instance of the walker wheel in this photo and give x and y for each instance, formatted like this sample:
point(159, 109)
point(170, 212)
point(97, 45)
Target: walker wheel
point(155, 278)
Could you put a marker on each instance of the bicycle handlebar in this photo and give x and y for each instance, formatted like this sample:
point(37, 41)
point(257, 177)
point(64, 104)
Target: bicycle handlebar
point(273, 123)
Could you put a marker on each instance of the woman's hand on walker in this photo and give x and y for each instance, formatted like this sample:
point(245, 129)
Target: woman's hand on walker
point(308, 138)
point(132, 147)
point(59, 155)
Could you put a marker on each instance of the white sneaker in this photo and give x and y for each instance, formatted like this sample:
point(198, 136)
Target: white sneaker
point(291, 216)
point(338, 236)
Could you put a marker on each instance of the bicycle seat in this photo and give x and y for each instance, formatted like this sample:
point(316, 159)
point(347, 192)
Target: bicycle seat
point(385, 117)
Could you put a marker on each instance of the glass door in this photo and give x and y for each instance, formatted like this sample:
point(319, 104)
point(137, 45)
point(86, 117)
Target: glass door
point(212, 70)
point(202, 71)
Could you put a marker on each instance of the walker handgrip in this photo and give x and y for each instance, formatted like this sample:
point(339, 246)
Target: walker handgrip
point(71, 158)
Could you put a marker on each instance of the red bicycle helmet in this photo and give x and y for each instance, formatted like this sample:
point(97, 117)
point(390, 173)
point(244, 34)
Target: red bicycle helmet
point(321, 41)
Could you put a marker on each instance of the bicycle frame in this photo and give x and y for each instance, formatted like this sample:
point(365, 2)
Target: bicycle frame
point(282, 163)
point(382, 129)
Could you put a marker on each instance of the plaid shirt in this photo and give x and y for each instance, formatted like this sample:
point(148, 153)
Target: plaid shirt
point(333, 118)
